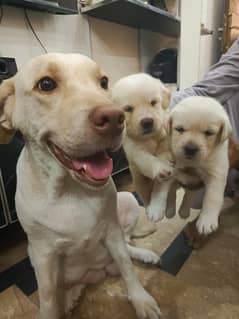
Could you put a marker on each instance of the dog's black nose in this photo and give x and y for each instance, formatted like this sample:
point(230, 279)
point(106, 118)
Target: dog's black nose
point(147, 123)
point(190, 150)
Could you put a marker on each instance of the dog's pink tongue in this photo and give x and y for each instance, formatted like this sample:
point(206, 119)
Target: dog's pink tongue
point(99, 166)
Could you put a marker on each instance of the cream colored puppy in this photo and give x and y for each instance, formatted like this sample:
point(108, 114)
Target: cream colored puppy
point(65, 198)
point(199, 129)
point(144, 100)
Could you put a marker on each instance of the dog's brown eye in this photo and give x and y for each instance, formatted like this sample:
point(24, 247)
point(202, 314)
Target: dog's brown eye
point(128, 108)
point(104, 82)
point(180, 129)
point(208, 133)
point(47, 84)
point(153, 102)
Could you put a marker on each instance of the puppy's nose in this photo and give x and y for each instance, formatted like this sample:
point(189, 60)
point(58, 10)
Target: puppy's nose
point(147, 123)
point(190, 150)
point(107, 121)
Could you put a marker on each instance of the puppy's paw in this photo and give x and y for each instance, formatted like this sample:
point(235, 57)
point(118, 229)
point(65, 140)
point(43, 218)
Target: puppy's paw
point(207, 224)
point(165, 172)
point(184, 213)
point(144, 255)
point(155, 213)
point(193, 238)
point(149, 257)
point(145, 305)
point(170, 212)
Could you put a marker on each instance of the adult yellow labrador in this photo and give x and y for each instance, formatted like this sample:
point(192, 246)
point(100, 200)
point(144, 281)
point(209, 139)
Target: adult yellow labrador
point(65, 199)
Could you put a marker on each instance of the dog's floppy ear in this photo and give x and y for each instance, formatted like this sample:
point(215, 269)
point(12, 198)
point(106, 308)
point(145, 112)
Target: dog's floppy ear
point(7, 104)
point(169, 125)
point(166, 96)
point(225, 130)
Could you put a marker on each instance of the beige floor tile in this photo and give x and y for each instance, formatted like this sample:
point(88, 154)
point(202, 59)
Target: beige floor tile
point(15, 305)
point(35, 298)
point(230, 219)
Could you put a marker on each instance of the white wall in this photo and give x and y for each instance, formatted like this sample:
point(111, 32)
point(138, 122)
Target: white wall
point(189, 42)
point(58, 33)
point(117, 48)
point(210, 45)
point(197, 51)
point(151, 43)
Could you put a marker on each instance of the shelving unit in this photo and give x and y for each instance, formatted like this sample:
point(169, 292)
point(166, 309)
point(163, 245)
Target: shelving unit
point(43, 5)
point(137, 14)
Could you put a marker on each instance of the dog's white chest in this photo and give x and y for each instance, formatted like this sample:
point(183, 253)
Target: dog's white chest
point(74, 228)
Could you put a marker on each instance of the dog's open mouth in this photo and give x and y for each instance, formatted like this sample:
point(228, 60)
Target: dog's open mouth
point(94, 169)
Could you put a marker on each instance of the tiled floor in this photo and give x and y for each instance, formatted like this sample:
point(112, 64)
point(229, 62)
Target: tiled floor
point(15, 305)
point(206, 287)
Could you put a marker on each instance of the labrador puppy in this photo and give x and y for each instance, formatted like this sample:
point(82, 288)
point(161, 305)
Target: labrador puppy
point(65, 199)
point(144, 101)
point(199, 129)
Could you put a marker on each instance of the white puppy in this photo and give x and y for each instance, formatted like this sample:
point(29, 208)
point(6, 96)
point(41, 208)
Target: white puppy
point(199, 129)
point(144, 100)
point(65, 199)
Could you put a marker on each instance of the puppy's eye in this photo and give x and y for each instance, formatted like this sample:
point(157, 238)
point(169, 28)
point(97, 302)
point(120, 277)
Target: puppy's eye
point(179, 129)
point(104, 81)
point(208, 133)
point(47, 84)
point(153, 102)
point(128, 108)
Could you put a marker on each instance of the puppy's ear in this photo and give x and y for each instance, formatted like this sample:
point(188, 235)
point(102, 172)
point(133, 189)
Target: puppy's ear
point(166, 96)
point(169, 125)
point(7, 104)
point(225, 131)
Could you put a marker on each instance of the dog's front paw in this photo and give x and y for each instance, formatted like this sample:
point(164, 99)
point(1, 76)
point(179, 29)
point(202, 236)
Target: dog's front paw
point(184, 212)
point(170, 211)
point(155, 213)
point(145, 305)
point(149, 257)
point(207, 223)
point(165, 172)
